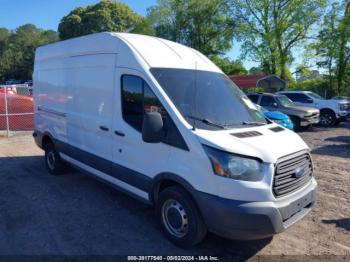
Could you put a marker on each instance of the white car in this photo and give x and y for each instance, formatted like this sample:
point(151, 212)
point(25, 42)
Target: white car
point(159, 121)
point(332, 111)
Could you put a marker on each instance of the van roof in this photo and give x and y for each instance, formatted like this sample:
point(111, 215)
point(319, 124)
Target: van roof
point(155, 52)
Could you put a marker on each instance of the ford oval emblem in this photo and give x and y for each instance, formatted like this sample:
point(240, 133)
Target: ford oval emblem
point(299, 172)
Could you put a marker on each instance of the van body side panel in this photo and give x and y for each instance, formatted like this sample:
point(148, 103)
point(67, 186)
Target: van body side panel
point(51, 99)
point(75, 100)
point(90, 80)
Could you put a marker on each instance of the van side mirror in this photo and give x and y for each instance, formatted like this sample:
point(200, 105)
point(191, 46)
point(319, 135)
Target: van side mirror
point(274, 104)
point(152, 127)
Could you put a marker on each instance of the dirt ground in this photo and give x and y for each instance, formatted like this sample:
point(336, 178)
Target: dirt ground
point(73, 214)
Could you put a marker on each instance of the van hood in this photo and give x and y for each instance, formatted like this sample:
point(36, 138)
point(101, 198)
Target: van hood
point(268, 145)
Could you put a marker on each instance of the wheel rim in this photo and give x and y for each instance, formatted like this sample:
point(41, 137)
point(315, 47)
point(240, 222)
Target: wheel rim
point(51, 160)
point(326, 119)
point(175, 218)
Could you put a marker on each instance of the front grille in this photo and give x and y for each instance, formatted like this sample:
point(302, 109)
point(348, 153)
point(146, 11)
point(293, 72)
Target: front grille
point(292, 172)
point(312, 116)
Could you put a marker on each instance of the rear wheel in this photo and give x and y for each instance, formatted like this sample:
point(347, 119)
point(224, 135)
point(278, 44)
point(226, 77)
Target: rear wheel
point(53, 161)
point(327, 117)
point(179, 217)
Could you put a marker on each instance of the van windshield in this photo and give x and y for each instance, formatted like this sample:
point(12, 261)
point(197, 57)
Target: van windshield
point(208, 100)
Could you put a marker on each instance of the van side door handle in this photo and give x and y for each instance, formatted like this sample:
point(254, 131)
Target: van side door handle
point(104, 128)
point(118, 133)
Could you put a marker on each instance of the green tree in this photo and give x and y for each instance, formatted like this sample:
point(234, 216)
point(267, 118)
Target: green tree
point(303, 70)
point(270, 29)
point(230, 67)
point(201, 24)
point(333, 44)
point(256, 70)
point(319, 86)
point(4, 35)
point(17, 56)
point(101, 17)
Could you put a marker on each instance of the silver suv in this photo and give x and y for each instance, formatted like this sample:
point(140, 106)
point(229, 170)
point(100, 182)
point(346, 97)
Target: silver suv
point(301, 116)
point(333, 111)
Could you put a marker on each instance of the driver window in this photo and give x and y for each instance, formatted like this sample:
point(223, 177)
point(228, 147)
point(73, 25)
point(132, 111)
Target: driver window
point(137, 99)
point(151, 102)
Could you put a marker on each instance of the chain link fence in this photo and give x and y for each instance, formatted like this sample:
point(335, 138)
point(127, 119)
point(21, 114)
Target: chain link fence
point(16, 109)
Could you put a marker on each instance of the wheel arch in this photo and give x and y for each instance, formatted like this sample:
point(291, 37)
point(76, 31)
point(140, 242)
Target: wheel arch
point(164, 180)
point(327, 109)
point(46, 139)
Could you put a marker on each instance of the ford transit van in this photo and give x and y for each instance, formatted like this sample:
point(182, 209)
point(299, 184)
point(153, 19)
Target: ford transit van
point(159, 121)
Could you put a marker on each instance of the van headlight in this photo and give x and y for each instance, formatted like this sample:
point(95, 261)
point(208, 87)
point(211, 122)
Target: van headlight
point(234, 166)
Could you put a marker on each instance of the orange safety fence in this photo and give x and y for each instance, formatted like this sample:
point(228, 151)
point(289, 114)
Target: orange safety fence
point(16, 111)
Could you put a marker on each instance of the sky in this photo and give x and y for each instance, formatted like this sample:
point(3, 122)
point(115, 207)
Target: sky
point(47, 14)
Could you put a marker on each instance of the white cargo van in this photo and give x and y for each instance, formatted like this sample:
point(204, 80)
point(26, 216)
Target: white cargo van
point(161, 122)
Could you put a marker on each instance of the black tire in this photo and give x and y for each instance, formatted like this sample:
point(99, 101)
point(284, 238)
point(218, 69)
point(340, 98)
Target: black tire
point(53, 161)
point(327, 118)
point(179, 217)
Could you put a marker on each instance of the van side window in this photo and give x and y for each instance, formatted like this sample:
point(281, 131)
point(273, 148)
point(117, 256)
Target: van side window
point(151, 102)
point(132, 101)
point(138, 98)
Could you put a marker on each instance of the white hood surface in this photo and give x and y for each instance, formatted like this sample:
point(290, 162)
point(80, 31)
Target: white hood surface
point(269, 146)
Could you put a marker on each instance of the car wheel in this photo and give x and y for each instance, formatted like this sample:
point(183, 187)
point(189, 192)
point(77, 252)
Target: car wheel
point(179, 217)
point(327, 118)
point(53, 161)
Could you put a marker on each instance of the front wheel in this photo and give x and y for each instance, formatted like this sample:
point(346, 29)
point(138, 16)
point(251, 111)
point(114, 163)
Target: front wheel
point(327, 118)
point(180, 218)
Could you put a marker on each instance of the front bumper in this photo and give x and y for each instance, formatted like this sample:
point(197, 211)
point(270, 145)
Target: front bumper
point(254, 220)
point(343, 115)
point(310, 121)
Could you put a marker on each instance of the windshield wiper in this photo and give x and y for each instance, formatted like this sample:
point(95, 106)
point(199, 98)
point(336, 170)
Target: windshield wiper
point(206, 121)
point(252, 123)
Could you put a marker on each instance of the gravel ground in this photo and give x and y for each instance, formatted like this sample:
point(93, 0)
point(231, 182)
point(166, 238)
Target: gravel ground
point(74, 214)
